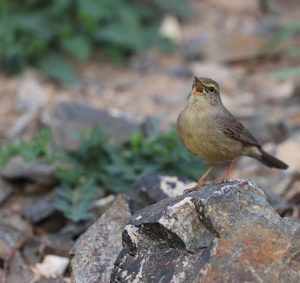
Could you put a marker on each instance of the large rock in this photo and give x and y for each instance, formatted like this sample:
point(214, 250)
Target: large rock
point(69, 120)
point(97, 249)
point(39, 210)
point(154, 187)
point(11, 240)
point(221, 233)
point(37, 172)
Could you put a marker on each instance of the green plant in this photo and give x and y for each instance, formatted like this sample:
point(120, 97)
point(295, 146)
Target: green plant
point(38, 148)
point(76, 202)
point(47, 34)
point(161, 153)
point(97, 166)
point(116, 168)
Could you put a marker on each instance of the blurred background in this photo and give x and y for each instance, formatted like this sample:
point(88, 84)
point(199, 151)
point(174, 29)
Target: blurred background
point(89, 91)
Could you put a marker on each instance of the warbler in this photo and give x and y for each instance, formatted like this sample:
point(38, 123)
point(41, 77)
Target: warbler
point(210, 132)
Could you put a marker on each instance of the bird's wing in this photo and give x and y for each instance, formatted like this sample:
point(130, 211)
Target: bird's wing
point(236, 130)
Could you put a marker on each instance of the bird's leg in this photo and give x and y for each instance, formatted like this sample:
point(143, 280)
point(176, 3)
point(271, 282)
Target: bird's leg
point(201, 181)
point(228, 172)
point(229, 169)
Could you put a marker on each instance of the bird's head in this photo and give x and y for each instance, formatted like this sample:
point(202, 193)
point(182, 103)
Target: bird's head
point(205, 92)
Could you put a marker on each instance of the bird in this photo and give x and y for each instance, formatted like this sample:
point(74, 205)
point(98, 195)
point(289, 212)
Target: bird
point(210, 132)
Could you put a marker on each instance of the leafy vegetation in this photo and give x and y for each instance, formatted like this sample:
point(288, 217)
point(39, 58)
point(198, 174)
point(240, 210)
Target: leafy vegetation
point(39, 148)
point(47, 34)
point(98, 167)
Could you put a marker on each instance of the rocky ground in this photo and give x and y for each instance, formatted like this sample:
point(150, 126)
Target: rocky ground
point(220, 41)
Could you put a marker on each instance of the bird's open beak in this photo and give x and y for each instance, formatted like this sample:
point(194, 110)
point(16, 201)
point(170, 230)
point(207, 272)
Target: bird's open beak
point(198, 85)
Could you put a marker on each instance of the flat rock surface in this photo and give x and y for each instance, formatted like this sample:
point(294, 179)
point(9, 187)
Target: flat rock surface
point(220, 233)
point(37, 172)
point(97, 249)
point(69, 120)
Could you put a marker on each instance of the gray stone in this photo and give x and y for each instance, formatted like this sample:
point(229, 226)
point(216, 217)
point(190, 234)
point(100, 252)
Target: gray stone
point(74, 230)
point(182, 71)
point(11, 239)
point(194, 49)
point(37, 248)
point(36, 172)
point(156, 186)
point(21, 124)
point(11, 216)
point(70, 119)
point(39, 209)
point(151, 127)
point(295, 96)
point(5, 191)
point(224, 232)
point(268, 25)
point(226, 48)
point(143, 62)
point(97, 249)
point(19, 271)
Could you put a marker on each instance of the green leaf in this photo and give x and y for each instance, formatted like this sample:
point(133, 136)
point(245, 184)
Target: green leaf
point(76, 203)
point(34, 25)
point(97, 164)
point(137, 139)
point(78, 46)
point(177, 7)
point(31, 30)
point(29, 151)
point(58, 68)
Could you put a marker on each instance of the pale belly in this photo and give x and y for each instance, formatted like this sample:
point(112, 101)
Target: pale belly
point(205, 140)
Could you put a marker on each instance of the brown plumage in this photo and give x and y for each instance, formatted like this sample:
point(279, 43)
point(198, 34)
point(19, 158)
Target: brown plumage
point(210, 132)
point(236, 130)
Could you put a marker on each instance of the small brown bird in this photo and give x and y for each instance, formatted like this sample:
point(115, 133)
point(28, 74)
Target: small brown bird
point(210, 132)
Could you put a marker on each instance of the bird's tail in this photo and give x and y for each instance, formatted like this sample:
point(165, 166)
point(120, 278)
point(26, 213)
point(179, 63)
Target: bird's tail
point(271, 161)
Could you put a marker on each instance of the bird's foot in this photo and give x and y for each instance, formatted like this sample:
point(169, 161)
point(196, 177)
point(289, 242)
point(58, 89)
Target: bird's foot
point(217, 182)
point(200, 184)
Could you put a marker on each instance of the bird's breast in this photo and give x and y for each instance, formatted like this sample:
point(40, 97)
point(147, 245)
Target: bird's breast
point(201, 135)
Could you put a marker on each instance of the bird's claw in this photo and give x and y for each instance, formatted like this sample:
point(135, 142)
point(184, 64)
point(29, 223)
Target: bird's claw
point(194, 188)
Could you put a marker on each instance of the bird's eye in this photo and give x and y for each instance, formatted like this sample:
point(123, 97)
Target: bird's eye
point(211, 89)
